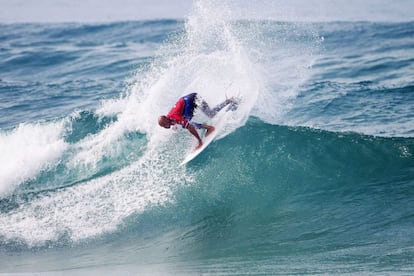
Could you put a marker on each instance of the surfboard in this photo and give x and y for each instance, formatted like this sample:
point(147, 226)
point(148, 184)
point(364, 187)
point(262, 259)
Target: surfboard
point(218, 122)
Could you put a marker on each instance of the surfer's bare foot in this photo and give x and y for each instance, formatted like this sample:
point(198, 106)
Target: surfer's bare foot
point(230, 100)
point(210, 129)
point(198, 146)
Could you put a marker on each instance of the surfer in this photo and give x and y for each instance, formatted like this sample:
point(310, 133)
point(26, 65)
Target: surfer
point(183, 112)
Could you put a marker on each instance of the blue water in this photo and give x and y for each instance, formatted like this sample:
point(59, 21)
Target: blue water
point(313, 174)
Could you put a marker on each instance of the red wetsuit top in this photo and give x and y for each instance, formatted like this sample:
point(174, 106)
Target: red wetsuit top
point(176, 113)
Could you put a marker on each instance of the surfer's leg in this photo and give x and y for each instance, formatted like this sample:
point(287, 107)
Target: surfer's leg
point(210, 129)
point(206, 109)
point(212, 112)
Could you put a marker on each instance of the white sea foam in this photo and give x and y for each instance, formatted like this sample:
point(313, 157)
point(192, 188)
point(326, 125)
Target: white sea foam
point(95, 207)
point(27, 150)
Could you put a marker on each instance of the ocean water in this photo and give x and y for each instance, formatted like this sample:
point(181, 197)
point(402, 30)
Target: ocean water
point(312, 174)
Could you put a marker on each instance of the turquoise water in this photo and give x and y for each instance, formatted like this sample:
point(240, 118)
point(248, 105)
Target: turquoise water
point(313, 174)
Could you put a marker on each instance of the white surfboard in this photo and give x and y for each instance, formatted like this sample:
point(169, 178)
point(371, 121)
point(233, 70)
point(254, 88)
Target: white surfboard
point(218, 122)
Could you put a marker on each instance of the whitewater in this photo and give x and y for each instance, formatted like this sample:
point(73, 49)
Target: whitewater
point(312, 174)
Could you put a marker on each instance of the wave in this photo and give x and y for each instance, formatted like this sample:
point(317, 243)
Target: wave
point(259, 168)
point(312, 173)
point(290, 176)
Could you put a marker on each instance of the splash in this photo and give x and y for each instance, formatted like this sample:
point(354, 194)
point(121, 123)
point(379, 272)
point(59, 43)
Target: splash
point(207, 58)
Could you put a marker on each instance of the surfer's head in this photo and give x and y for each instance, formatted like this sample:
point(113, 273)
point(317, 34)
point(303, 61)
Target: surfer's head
point(164, 121)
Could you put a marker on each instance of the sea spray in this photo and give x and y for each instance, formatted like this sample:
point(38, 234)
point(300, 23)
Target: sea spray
point(208, 61)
